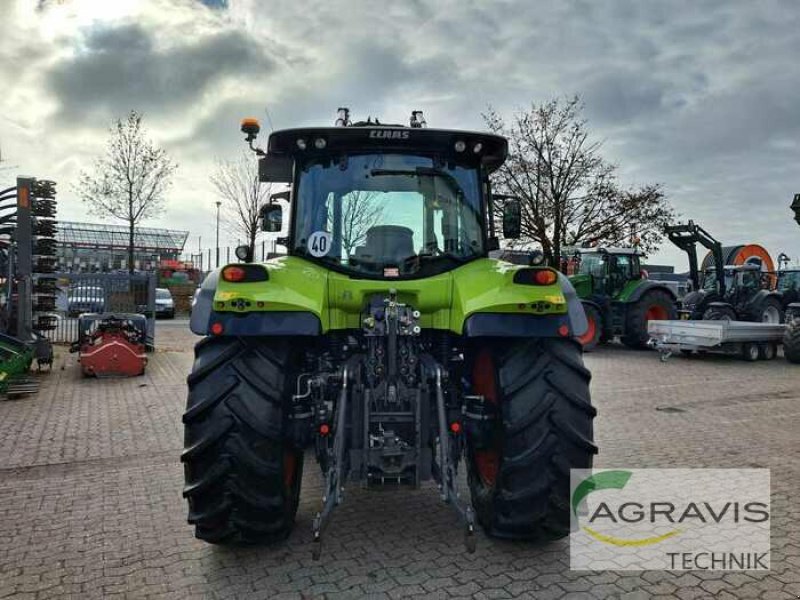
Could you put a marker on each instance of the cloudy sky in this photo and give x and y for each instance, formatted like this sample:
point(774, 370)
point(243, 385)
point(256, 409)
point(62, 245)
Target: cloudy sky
point(703, 97)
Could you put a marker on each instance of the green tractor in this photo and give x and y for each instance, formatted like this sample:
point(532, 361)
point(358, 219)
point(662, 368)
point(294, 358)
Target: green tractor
point(618, 298)
point(388, 342)
point(791, 338)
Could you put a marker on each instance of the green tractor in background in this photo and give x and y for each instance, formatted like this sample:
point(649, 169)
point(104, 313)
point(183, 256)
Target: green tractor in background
point(618, 298)
point(791, 339)
point(387, 342)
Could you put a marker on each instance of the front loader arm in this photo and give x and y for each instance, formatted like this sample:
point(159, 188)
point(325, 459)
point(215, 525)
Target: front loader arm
point(685, 237)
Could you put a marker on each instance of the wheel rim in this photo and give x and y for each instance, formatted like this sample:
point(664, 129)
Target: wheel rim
point(771, 315)
point(591, 331)
point(484, 382)
point(753, 351)
point(656, 313)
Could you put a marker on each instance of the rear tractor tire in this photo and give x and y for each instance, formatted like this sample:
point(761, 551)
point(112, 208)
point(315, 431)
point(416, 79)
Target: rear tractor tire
point(519, 477)
point(242, 474)
point(594, 332)
point(791, 341)
point(654, 305)
point(770, 311)
point(719, 313)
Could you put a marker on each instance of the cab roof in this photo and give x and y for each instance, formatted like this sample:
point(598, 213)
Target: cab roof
point(487, 149)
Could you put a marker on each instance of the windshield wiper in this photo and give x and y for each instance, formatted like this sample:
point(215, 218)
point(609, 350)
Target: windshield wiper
point(431, 257)
point(422, 172)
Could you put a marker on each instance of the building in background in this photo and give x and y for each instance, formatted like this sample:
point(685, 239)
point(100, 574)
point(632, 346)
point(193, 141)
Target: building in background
point(100, 248)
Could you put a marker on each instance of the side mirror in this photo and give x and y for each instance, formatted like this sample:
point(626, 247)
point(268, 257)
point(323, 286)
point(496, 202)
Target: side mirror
point(512, 219)
point(271, 218)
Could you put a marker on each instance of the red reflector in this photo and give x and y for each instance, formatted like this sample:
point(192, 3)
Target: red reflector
point(455, 427)
point(217, 328)
point(545, 277)
point(324, 429)
point(234, 274)
point(563, 330)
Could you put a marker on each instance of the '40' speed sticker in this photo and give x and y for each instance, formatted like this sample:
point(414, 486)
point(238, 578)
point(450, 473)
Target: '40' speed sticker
point(319, 243)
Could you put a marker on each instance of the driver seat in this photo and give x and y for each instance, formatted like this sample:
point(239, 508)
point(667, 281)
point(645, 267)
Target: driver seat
point(388, 244)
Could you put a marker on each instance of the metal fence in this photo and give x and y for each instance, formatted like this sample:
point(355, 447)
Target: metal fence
point(206, 260)
point(78, 293)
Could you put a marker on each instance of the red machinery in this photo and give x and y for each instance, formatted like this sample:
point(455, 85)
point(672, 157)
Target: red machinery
point(111, 345)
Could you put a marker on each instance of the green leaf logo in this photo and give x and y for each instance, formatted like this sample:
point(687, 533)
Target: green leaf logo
point(605, 480)
point(611, 480)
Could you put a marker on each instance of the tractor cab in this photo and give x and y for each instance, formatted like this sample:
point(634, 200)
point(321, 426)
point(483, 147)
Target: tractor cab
point(609, 269)
point(742, 281)
point(379, 201)
point(789, 285)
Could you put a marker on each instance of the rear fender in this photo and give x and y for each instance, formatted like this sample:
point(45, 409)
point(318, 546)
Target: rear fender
point(648, 286)
point(255, 323)
point(762, 296)
point(719, 305)
point(204, 303)
point(571, 324)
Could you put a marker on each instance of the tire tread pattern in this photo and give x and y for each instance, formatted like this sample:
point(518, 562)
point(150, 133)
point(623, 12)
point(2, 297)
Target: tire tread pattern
point(546, 430)
point(636, 335)
point(791, 341)
point(234, 451)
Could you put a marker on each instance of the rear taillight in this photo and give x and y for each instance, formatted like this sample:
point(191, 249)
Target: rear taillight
point(244, 273)
point(233, 274)
point(536, 276)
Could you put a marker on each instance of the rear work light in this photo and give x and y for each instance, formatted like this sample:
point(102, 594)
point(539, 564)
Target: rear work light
point(244, 273)
point(536, 276)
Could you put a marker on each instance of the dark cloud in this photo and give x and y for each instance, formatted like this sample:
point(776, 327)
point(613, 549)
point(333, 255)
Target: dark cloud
point(621, 96)
point(122, 67)
point(701, 98)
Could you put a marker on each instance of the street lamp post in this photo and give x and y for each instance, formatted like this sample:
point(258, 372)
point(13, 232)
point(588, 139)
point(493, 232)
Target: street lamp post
point(218, 204)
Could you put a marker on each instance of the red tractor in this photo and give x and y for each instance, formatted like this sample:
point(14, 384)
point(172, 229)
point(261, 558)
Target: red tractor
point(111, 345)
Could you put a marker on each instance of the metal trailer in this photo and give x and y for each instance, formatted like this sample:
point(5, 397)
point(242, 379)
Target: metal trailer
point(750, 341)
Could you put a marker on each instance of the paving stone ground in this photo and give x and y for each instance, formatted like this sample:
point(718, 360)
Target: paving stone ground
point(91, 507)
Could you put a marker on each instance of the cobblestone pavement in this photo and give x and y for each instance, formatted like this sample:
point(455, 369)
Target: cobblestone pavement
point(90, 495)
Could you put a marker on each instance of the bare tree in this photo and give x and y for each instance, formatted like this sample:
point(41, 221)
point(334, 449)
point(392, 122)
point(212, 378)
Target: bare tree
point(360, 211)
point(569, 194)
point(129, 180)
point(242, 194)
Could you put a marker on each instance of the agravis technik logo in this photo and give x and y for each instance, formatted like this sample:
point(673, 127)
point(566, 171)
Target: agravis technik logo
point(670, 519)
